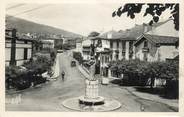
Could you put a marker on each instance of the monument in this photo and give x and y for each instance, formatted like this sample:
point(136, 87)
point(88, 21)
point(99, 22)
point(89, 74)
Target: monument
point(91, 96)
point(91, 101)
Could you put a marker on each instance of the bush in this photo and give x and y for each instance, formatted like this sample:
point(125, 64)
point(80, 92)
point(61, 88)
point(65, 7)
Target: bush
point(78, 57)
point(22, 77)
point(138, 72)
point(16, 77)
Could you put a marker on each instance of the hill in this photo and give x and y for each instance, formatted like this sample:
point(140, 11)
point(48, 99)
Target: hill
point(24, 26)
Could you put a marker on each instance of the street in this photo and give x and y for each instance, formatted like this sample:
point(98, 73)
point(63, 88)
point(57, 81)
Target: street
point(49, 96)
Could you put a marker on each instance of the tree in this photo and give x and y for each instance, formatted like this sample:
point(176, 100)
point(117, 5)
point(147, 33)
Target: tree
point(155, 10)
point(93, 34)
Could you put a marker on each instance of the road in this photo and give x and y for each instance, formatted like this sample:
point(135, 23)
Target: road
point(49, 96)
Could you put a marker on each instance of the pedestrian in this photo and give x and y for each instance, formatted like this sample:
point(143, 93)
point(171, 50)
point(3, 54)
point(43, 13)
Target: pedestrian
point(63, 75)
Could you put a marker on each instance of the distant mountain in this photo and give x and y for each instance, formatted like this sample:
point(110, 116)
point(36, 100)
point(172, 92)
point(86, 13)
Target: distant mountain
point(24, 26)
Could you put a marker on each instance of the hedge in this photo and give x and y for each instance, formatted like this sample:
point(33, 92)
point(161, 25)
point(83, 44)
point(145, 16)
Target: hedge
point(78, 57)
point(138, 72)
point(30, 73)
point(136, 69)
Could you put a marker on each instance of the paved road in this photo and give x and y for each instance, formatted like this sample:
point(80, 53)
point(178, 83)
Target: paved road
point(49, 96)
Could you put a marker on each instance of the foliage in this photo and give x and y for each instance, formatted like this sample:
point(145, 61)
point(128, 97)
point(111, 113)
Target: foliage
point(67, 46)
point(21, 77)
point(136, 69)
point(78, 57)
point(138, 72)
point(93, 34)
point(155, 10)
point(40, 64)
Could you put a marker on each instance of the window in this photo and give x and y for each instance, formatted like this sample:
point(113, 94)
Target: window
point(102, 59)
point(25, 53)
point(145, 44)
point(130, 56)
point(117, 44)
point(123, 45)
point(111, 44)
point(123, 55)
point(131, 45)
point(117, 56)
point(145, 57)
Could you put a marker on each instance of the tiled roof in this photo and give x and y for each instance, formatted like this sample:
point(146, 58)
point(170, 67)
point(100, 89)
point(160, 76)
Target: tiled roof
point(166, 29)
point(114, 35)
point(162, 40)
point(163, 33)
point(129, 34)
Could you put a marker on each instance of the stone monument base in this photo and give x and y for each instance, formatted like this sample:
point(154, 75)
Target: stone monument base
point(91, 101)
point(73, 104)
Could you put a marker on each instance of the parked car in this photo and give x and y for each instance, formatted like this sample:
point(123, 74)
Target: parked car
point(59, 51)
point(73, 63)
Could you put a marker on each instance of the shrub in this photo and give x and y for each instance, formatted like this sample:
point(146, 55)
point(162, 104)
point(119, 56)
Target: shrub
point(78, 57)
point(138, 72)
point(20, 78)
point(16, 78)
point(136, 69)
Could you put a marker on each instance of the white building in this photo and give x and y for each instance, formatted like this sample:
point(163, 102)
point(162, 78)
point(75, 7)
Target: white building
point(86, 49)
point(158, 44)
point(17, 51)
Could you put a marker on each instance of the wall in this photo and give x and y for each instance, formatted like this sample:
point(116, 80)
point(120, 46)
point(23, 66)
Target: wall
point(79, 47)
point(152, 54)
point(105, 44)
point(167, 52)
point(19, 57)
point(86, 55)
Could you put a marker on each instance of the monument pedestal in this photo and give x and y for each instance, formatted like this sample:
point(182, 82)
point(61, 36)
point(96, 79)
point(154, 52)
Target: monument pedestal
point(91, 94)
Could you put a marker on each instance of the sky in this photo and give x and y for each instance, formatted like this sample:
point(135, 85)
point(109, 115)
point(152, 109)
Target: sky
point(80, 18)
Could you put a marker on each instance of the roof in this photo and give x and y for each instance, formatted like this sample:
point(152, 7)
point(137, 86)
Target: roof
point(129, 34)
point(138, 30)
point(19, 39)
point(114, 35)
point(159, 34)
point(156, 39)
point(166, 29)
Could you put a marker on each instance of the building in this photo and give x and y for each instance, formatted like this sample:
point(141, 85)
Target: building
point(86, 49)
point(159, 44)
point(47, 44)
point(79, 45)
point(113, 46)
point(17, 50)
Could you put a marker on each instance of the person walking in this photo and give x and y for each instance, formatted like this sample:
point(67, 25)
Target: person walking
point(63, 75)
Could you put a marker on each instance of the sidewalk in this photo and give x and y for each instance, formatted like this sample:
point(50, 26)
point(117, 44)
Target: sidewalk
point(56, 68)
point(172, 103)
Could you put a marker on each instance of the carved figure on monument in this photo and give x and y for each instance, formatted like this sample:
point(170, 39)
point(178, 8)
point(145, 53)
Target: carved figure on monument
point(92, 72)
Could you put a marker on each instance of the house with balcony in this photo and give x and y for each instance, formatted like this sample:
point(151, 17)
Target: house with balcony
point(112, 46)
point(159, 44)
